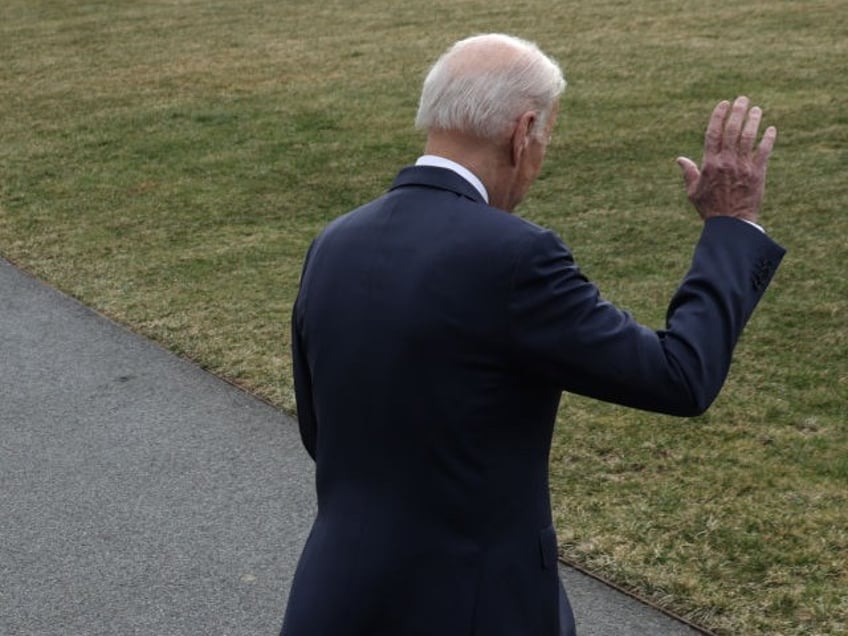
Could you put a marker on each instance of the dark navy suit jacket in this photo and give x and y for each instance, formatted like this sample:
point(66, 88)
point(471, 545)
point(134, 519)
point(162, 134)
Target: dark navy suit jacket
point(432, 338)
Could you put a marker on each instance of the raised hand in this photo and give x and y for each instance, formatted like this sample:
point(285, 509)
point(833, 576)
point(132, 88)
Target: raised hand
point(731, 180)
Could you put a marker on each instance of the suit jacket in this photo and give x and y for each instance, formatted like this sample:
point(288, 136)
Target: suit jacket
point(432, 338)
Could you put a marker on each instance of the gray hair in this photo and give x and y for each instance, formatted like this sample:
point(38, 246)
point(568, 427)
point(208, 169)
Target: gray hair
point(482, 84)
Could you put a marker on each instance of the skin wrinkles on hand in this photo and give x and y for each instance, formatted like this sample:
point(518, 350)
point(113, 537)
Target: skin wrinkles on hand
point(731, 179)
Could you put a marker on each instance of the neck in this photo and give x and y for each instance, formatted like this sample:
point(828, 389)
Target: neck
point(488, 160)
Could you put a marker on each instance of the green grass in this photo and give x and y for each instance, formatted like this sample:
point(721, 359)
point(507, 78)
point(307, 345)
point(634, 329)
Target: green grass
point(169, 162)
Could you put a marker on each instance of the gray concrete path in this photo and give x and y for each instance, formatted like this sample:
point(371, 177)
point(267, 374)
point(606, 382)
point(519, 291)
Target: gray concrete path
point(141, 495)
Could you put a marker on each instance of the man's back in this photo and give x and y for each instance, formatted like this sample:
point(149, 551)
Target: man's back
point(432, 446)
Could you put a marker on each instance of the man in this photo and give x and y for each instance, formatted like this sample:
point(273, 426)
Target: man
point(434, 333)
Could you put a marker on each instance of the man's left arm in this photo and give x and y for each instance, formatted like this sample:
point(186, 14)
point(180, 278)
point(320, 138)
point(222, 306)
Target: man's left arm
point(565, 333)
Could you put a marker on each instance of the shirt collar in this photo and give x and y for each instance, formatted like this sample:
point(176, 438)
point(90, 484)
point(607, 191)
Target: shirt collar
point(440, 162)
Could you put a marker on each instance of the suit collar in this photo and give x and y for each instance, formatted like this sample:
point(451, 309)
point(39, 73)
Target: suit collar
point(441, 178)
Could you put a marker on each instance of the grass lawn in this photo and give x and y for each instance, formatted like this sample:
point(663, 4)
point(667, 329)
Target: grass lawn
point(168, 162)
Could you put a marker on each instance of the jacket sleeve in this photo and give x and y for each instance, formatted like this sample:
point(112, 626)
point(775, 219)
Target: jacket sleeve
point(562, 330)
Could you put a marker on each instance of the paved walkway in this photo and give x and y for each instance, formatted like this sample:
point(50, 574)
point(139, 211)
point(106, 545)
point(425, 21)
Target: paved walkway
point(142, 495)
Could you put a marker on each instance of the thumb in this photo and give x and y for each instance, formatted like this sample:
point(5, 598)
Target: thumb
point(690, 172)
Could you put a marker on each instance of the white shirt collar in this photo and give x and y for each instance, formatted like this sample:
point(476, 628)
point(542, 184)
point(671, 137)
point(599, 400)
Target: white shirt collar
point(440, 162)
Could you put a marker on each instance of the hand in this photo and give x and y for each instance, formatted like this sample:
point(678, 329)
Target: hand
point(732, 179)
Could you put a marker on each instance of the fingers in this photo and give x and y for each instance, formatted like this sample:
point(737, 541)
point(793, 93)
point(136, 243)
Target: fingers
point(712, 140)
point(766, 145)
point(733, 126)
point(749, 136)
point(690, 172)
point(749, 132)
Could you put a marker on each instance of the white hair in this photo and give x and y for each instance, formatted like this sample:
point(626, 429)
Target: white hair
point(482, 84)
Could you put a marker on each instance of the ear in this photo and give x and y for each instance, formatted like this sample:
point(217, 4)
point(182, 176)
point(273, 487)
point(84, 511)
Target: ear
point(522, 134)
